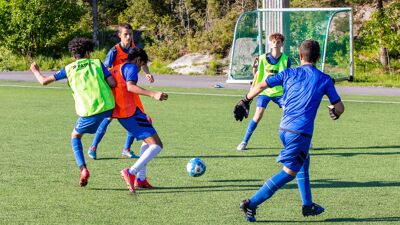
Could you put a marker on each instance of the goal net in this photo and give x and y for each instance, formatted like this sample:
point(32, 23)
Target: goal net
point(331, 27)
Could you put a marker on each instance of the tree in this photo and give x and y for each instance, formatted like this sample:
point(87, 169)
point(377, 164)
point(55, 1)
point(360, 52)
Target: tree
point(95, 13)
point(383, 52)
point(382, 32)
point(29, 26)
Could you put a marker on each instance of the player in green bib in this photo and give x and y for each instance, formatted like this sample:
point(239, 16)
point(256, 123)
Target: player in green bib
point(267, 65)
point(90, 83)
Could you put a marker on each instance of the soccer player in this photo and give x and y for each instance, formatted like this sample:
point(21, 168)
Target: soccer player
point(130, 114)
point(268, 65)
point(117, 55)
point(90, 82)
point(304, 88)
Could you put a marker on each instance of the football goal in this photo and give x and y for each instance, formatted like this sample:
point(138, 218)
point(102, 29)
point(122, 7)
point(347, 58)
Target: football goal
point(331, 27)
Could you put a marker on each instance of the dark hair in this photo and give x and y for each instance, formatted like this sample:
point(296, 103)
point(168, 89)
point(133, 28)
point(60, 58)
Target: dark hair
point(80, 46)
point(137, 52)
point(124, 26)
point(276, 36)
point(310, 51)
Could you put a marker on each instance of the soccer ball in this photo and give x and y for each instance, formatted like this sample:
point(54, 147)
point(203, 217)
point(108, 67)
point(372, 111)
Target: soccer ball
point(196, 167)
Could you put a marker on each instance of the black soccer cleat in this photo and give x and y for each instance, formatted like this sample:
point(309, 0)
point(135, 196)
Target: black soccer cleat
point(312, 210)
point(249, 214)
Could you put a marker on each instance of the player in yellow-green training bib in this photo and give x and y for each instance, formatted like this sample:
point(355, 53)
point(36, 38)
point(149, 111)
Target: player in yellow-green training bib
point(90, 83)
point(267, 65)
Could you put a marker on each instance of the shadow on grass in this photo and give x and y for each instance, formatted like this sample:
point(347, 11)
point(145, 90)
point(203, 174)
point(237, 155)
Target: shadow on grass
point(336, 220)
point(322, 183)
point(366, 147)
point(108, 158)
point(331, 183)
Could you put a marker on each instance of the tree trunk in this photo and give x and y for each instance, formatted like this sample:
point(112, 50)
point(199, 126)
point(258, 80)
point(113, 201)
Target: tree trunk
point(383, 52)
point(93, 4)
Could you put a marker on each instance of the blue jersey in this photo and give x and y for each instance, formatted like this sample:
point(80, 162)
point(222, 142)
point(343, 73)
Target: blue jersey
point(271, 60)
point(62, 74)
point(130, 72)
point(112, 54)
point(303, 89)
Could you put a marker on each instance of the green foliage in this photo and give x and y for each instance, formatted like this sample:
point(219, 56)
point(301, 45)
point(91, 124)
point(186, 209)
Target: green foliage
point(160, 67)
point(31, 25)
point(383, 29)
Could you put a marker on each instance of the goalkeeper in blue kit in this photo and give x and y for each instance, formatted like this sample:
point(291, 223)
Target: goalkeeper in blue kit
point(303, 89)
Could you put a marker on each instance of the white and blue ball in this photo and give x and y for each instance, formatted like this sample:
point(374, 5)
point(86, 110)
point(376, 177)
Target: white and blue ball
point(196, 167)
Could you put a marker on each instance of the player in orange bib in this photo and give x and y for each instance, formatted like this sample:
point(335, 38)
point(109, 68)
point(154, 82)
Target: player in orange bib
point(116, 56)
point(129, 112)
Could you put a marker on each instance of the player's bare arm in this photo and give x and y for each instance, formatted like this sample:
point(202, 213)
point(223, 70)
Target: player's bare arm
point(157, 95)
point(257, 90)
point(111, 81)
point(43, 80)
point(149, 76)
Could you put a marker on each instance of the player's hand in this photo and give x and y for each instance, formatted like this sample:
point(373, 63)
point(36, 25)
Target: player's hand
point(150, 77)
point(242, 109)
point(35, 67)
point(332, 112)
point(160, 96)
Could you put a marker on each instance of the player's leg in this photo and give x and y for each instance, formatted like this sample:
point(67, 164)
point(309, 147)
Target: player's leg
point(262, 102)
point(126, 151)
point(79, 157)
point(98, 137)
point(85, 125)
point(141, 178)
point(292, 157)
point(141, 129)
point(303, 182)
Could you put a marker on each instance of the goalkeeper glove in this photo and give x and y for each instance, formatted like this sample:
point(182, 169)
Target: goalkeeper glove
point(242, 108)
point(332, 112)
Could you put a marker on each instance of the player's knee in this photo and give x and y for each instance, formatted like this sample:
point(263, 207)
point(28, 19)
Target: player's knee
point(75, 134)
point(258, 115)
point(289, 171)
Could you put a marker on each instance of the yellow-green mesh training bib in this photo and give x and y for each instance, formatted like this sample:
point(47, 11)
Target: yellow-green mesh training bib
point(90, 90)
point(265, 70)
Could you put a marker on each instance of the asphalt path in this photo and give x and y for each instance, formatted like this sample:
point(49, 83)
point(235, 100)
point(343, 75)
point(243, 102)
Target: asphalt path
point(199, 81)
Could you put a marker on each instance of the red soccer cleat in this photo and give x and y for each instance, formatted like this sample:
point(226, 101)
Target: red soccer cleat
point(83, 181)
point(129, 179)
point(143, 184)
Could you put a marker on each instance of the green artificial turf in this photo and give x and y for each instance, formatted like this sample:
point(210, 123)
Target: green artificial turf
point(354, 169)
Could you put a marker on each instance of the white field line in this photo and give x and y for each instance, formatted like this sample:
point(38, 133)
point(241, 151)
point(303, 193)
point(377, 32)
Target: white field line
point(198, 94)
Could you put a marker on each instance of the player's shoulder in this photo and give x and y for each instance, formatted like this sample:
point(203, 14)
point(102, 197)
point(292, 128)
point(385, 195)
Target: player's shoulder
point(129, 67)
point(113, 49)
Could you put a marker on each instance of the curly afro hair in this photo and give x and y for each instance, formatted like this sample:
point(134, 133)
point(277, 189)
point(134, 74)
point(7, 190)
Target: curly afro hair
point(80, 46)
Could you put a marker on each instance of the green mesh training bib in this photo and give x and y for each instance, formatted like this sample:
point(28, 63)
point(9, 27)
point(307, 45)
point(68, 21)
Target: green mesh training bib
point(90, 90)
point(265, 70)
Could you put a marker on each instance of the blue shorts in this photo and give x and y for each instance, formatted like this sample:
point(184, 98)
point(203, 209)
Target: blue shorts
point(263, 100)
point(89, 124)
point(296, 149)
point(138, 125)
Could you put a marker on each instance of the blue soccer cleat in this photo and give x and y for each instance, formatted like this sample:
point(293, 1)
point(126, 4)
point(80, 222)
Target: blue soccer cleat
point(312, 210)
point(127, 153)
point(249, 214)
point(92, 152)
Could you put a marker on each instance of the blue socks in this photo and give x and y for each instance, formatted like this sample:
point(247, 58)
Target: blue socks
point(78, 152)
point(101, 130)
point(303, 183)
point(129, 140)
point(269, 188)
point(250, 129)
